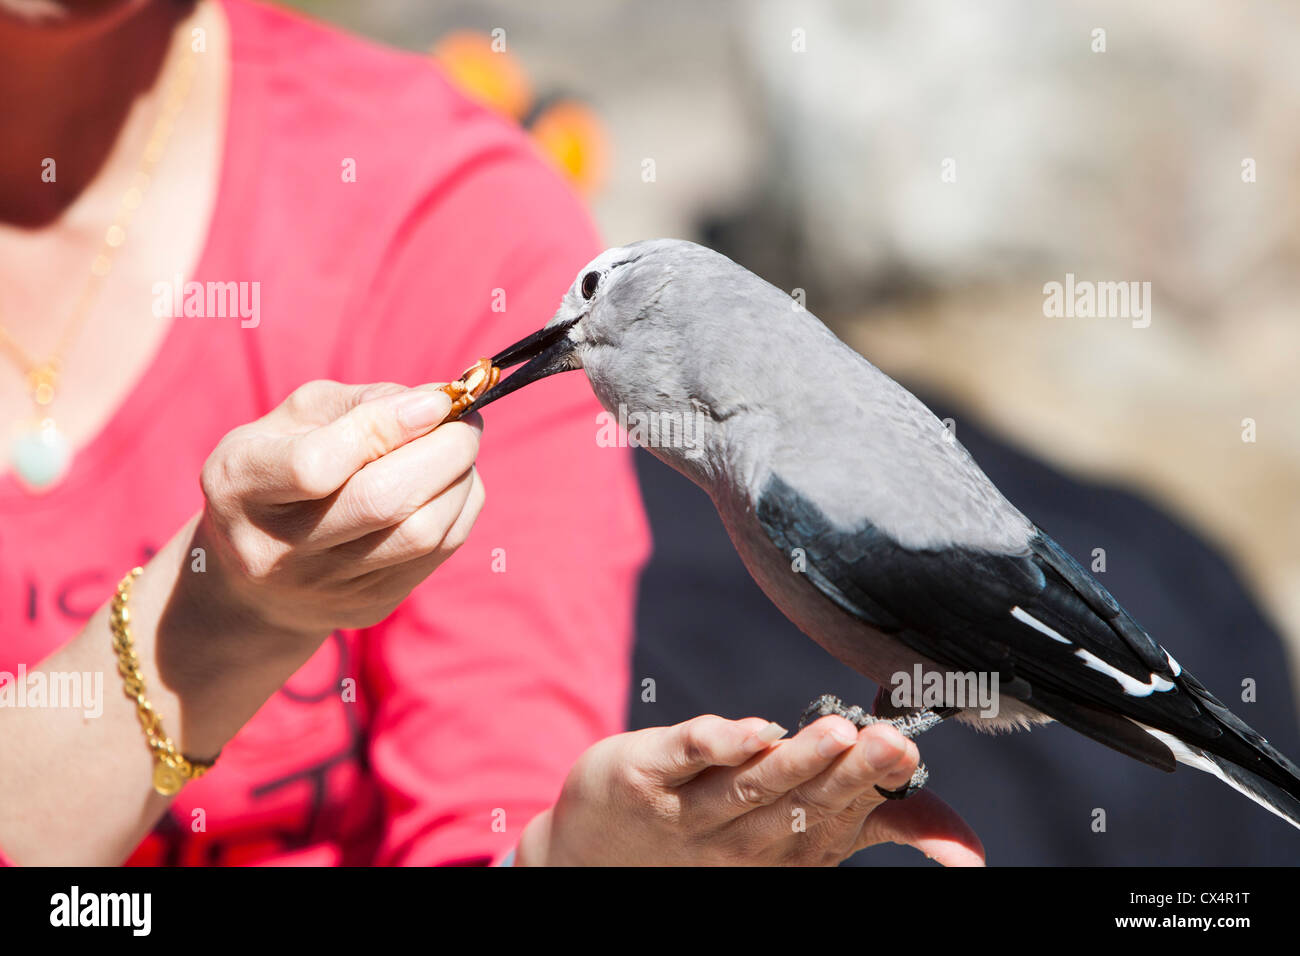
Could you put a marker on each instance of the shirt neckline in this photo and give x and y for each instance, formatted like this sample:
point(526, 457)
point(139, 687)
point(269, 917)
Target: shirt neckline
point(105, 451)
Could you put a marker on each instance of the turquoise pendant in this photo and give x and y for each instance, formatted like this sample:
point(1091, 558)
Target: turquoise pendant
point(40, 456)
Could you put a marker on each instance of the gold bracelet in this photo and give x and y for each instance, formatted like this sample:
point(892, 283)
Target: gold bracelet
point(172, 769)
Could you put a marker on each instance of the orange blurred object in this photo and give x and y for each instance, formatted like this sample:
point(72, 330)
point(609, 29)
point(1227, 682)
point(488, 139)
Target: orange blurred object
point(568, 132)
point(573, 137)
point(492, 77)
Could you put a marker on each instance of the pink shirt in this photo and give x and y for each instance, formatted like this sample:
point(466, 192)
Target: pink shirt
point(476, 696)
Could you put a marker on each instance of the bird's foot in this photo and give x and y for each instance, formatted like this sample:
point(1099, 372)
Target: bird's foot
point(910, 725)
point(828, 704)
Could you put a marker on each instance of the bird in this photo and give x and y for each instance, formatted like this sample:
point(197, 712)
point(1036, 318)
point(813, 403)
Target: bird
point(868, 524)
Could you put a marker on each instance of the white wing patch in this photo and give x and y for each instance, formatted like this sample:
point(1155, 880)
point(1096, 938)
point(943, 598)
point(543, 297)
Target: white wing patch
point(1130, 685)
point(1173, 664)
point(1196, 757)
point(1020, 614)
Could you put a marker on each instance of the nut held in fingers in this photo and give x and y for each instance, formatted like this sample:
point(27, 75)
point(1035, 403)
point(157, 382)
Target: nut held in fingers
point(465, 391)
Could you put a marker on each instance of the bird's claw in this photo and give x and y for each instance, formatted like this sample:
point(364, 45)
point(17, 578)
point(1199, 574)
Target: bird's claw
point(828, 704)
point(910, 725)
point(920, 777)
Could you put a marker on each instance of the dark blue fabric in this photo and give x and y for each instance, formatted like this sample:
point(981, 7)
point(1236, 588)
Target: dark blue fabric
point(714, 644)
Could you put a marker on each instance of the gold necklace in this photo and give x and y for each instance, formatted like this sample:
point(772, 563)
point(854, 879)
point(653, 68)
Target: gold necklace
point(40, 454)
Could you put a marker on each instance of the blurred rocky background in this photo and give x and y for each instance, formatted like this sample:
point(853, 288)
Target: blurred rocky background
point(922, 168)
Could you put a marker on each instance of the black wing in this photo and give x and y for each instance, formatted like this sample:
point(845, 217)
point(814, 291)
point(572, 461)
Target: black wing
point(955, 607)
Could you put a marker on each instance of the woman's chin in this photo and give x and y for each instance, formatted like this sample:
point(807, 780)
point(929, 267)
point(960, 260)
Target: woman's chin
point(65, 16)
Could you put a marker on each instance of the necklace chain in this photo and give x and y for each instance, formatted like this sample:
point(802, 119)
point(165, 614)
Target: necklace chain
point(43, 376)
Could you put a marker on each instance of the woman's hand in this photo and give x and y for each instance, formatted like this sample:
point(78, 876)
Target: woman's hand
point(323, 514)
point(717, 791)
point(329, 510)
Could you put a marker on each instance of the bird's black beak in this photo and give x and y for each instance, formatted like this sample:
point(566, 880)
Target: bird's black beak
point(545, 352)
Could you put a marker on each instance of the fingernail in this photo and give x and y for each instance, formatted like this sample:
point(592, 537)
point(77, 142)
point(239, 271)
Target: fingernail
point(763, 738)
point(418, 409)
point(881, 754)
point(833, 743)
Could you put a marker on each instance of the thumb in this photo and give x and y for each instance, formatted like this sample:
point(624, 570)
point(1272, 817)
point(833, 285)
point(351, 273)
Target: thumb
point(321, 401)
point(924, 821)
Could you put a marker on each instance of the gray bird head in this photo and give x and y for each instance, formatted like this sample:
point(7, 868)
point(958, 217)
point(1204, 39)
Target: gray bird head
point(673, 336)
point(729, 380)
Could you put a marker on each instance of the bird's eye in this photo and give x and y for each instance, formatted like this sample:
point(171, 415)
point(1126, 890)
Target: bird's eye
point(589, 283)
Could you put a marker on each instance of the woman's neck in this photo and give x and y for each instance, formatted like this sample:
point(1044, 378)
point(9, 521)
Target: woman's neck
point(68, 87)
